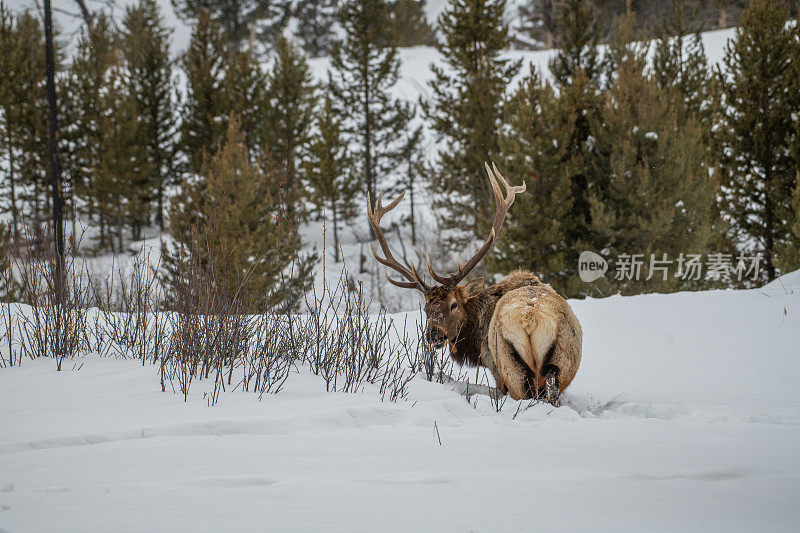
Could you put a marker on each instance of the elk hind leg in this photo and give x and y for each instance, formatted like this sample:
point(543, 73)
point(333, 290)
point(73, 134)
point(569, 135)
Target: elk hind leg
point(552, 392)
point(564, 358)
point(510, 369)
point(558, 370)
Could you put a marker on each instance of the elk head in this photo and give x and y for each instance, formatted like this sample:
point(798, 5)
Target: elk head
point(445, 303)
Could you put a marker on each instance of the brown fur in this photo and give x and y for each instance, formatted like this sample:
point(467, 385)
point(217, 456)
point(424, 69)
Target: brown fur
point(520, 329)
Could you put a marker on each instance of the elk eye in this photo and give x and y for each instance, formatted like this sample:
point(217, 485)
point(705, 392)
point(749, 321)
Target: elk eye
point(455, 304)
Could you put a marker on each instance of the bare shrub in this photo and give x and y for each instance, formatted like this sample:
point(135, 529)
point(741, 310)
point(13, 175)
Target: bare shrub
point(212, 336)
point(55, 324)
point(496, 399)
point(435, 365)
point(208, 325)
point(129, 323)
point(341, 342)
point(6, 334)
point(205, 330)
point(8, 293)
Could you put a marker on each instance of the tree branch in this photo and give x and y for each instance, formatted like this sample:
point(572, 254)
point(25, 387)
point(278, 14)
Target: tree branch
point(88, 16)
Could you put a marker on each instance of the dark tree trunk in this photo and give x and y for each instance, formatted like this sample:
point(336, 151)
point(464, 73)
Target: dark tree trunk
point(335, 231)
point(412, 179)
point(14, 212)
point(549, 23)
point(160, 214)
point(120, 232)
point(369, 176)
point(368, 170)
point(85, 13)
point(769, 240)
point(291, 176)
point(55, 164)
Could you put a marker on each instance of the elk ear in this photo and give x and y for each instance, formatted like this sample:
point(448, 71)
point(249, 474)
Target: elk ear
point(476, 285)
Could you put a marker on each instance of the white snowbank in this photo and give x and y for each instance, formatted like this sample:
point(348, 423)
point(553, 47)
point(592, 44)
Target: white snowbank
point(788, 283)
point(685, 416)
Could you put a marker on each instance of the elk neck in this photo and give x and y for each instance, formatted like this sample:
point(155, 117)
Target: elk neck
point(466, 348)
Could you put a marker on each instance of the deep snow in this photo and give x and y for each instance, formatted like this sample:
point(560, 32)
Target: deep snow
point(685, 415)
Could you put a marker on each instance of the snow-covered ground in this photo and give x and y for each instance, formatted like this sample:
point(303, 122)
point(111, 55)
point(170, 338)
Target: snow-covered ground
point(685, 416)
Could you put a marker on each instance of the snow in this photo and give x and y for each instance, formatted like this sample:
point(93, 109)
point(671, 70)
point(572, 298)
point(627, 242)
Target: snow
point(69, 23)
point(415, 71)
point(685, 415)
point(786, 284)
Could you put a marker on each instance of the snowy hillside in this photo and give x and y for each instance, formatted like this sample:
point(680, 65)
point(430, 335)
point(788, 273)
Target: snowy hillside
point(684, 416)
point(69, 24)
point(412, 85)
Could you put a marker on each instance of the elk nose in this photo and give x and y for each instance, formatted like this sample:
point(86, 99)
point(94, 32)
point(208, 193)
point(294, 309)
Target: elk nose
point(435, 335)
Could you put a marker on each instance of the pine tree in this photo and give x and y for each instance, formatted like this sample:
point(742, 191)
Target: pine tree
point(712, 14)
point(205, 108)
point(410, 179)
point(328, 171)
point(121, 178)
point(106, 159)
point(538, 22)
point(535, 147)
point(9, 45)
point(579, 37)
point(578, 73)
point(365, 68)
point(789, 256)
point(660, 198)
point(24, 122)
point(757, 124)
point(148, 77)
point(229, 221)
point(113, 107)
point(220, 80)
point(245, 93)
point(466, 109)
point(789, 251)
point(238, 18)
point(10, 290)
point(86, 83)
point(407, 22)
point(291, 90)
point(270, 27)
point(315, 25)
point(680, 61)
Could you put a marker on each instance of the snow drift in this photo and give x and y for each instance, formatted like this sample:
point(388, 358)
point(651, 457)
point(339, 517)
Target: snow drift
point(685, 415)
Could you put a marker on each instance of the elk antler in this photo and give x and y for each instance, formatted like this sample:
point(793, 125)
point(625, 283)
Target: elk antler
point(503, 204)
point(375, 215)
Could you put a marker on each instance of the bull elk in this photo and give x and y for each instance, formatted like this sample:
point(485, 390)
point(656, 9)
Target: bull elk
point(521, 329)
